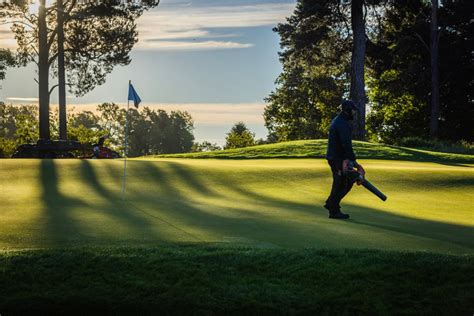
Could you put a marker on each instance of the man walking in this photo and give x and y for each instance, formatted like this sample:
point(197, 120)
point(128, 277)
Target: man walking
point(341, 157)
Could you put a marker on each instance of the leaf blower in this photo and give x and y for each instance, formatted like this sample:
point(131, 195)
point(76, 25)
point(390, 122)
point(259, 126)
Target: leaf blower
point(355, 176)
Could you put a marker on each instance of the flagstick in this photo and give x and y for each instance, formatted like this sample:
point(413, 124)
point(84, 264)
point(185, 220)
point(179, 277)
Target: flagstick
point(124, 178)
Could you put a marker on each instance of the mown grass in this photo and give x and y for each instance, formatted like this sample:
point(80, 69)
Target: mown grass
point(209, 236)
point(317, 149)
point(271, 203)
point(208, 280)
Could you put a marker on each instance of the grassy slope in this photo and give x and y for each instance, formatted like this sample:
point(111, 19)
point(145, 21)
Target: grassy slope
point(317, 149)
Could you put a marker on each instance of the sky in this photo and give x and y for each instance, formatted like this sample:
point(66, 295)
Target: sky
point(216, 59)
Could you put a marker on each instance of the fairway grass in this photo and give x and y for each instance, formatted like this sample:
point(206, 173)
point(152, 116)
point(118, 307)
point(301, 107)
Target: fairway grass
point(275, 203)
point(213, 236)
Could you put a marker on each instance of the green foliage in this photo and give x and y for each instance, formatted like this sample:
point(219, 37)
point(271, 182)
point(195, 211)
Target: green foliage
point(27, 129)
point(112, 122)
point(86, 118)
point(239, 136)
point(316, 46)
point(461, 147)
point(205, 146)
point(393, 114)
point(98, 36)
point(416, 142)
point(399, 64)
point(6, 60)
point(98, 39)
point(7, 147)
point(182, 125)
point(18, 125)
point(315, 54)
point(83, 134)
point(150, 132)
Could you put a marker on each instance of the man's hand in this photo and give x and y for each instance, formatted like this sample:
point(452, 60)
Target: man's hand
point(345, 166)
point(361, 170)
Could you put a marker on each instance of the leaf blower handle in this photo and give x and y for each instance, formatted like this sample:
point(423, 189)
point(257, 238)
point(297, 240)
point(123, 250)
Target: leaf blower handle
point(349, 165)
point(359, 177)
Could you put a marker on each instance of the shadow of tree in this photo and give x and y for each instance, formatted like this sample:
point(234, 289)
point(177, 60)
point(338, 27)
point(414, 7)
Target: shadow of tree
point(112, 205)
point(176, 207)
point(57, 223)
point(246, 222)
point(168, 206)
point(444, 232)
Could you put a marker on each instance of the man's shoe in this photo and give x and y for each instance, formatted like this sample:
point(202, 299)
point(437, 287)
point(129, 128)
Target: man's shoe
point(327, 207)
point(338, 215)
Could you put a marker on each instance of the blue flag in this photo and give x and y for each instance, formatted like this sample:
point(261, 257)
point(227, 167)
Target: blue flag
point(133, 96)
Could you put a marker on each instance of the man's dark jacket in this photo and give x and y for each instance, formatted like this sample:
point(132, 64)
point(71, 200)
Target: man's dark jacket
point(340, 139)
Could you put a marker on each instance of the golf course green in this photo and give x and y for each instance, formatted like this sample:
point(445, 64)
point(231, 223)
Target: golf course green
point(264, 203)
point(211, 236)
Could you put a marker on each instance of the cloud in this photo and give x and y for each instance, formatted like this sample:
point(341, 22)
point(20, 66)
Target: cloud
point(189, 26)
point(6, 37)
point(206, 45)
point(202, 113)
point(20, 99)
point(165, 27)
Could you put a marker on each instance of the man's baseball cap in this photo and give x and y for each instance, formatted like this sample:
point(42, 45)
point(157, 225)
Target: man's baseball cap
point(348, 105)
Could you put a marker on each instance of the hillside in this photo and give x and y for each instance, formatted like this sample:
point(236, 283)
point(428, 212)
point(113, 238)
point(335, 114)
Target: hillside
point(317, 149)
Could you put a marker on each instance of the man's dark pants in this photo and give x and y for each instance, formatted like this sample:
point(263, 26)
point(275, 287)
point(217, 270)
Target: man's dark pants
point(341, 185)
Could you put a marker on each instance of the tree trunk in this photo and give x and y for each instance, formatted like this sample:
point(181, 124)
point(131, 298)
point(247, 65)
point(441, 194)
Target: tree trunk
point(43, 73)
point(434, 43)
point(357, 93)
point(61, 72)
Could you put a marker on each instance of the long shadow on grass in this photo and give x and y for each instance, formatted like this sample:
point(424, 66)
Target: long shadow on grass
point(59, 224)
point(444, 232)
point(378, 218)
point(113, 206)
point(179, 208)
point(249, 223)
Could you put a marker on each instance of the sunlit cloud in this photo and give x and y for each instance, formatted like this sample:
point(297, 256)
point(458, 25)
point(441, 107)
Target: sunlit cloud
point(186, 26)
point(164, 28)
point(202, 113)
point(20, 99)
point(211, 120)
point(7, 39)
point(206, 45)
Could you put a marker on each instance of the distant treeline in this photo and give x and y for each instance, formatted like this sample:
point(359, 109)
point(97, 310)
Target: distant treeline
point(150, 131)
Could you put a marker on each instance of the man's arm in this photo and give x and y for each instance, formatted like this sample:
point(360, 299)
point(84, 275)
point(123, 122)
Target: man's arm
point(345, 136)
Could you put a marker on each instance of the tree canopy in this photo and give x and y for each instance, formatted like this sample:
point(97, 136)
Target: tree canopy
point(6, 60)
point(399, 62)
point(316, 46)
point(239, 136)
point(87, 39)
point(151, 131)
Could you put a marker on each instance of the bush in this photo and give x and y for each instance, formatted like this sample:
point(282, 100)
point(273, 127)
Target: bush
point(416, 142)
point(460, 147)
